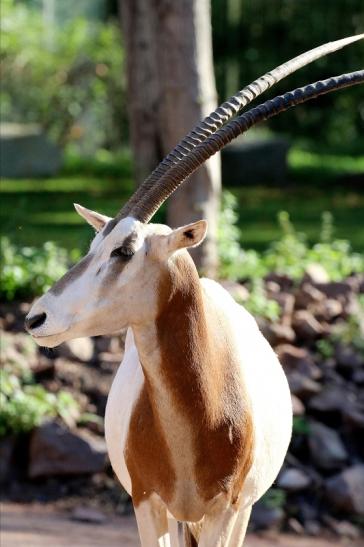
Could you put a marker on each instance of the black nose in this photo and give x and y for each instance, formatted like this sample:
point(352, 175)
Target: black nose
point(35, 321)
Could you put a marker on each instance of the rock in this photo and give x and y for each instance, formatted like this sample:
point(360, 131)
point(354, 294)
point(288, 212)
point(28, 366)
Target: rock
point(342, 528)
point(358, 376)
point(306, 295)
point(276, 333)
point(286, 303)
point(297, 406)
point(338, 290)
point(333, 398)
point(284, 281)
point(88, 514)
point(316, 273)
point(354, 418)
point(326, 448)
point(293, 480)
point(347, 357)
point(312, 528)
point(301, 386)
point(297, 359)
point(295, 526)
point(236, 290)
point(306, 326)
point(54, 450)
point(345, 491)
point(327, 310)
point(272, 287)
point(102, 343)
point(264, 517)
point(81, 349)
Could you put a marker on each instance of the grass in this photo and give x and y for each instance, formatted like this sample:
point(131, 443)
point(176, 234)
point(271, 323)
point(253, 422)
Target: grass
point(36, 210)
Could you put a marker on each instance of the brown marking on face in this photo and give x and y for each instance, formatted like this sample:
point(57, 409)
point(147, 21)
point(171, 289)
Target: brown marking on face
point(204, 380)
point(147, 455)
point(130, 240)
point(117, 265)
point(72, 274)
point(109, 226)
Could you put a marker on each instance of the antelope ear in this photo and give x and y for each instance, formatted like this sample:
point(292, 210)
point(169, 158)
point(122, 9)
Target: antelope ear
point(190, 235)
point(96, 220)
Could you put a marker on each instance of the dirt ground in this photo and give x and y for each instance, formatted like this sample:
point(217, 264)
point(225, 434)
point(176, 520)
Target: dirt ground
point(38, 525)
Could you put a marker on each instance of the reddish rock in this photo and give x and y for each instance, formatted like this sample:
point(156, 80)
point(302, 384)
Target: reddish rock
point(332, 398)
point(297, 406)
point(236, 290)
point(276, 333)
point(306, 295)
point(346, 490)
point(306, 326)
point(338, 290)
point(55, 450)
point(328, 310)
point(301, 386)
point(326, 447)
point(293, 480)
point(316, 273)
point(347, 357)
point(293, 358)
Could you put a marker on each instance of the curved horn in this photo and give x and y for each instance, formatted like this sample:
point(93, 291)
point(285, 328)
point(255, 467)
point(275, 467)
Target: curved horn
point(227, 110)
point(170, 181)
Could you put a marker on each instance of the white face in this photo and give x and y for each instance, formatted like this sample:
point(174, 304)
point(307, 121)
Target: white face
point(114, 285)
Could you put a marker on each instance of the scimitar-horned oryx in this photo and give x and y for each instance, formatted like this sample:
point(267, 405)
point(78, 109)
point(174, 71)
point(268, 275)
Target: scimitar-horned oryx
point(199, 415)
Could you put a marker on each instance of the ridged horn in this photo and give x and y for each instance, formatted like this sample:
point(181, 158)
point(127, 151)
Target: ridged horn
point(174, 177)
point(226, 111)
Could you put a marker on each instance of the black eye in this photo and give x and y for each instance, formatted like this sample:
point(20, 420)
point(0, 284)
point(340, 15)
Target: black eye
point(124, 253)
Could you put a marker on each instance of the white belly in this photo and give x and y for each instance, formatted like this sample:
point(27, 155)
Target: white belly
point(124, 393)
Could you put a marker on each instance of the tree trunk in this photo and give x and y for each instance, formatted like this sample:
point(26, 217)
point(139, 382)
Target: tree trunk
point(172, 87)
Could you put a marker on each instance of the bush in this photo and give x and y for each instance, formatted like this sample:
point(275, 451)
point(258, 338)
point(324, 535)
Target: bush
point(290, 255)
point(27, 271)
point(23, 407)
point(68, 79)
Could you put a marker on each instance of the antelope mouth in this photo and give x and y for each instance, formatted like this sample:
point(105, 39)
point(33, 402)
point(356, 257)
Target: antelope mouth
point(50, 340)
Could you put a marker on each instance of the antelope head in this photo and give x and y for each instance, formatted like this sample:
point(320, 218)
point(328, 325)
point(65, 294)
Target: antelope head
point(115, 284)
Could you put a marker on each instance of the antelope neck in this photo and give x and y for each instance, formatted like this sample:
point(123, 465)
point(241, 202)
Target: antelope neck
point(176, 350)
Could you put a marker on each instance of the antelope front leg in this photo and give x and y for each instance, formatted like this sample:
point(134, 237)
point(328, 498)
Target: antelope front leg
point(225, 527)
point(217, 527)
point(152, 521)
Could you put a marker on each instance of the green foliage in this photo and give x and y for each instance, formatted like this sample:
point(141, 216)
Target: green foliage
point(102, 164)
point(248, 42)
point(322, 168)
point(290, 254)
point(326, 348)
point(347, 333)
point(68, 79)
point(259, 305)
point(23, 407)
point(274, 498)
point(300, 425)
point(351, 332)
point(28, 271)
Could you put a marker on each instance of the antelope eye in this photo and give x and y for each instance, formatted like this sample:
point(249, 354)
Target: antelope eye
point(124, 253)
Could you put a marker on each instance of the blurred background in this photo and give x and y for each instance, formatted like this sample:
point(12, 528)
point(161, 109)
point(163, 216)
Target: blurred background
point(93, 94)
